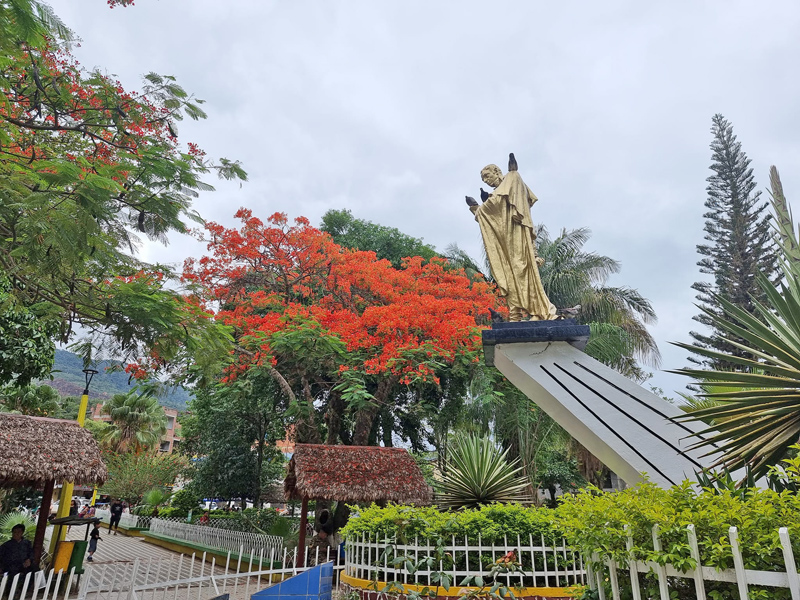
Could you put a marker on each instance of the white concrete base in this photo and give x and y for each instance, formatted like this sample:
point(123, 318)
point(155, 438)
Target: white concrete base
point(627, 427)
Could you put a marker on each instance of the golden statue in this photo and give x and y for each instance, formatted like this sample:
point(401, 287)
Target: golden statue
point(510, 240)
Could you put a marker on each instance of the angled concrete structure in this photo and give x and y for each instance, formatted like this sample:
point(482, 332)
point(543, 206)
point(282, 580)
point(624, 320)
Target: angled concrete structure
point(627, 427)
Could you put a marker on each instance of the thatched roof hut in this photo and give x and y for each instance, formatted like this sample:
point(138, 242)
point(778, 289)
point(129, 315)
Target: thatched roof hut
point(37, 450)
point(355, 474)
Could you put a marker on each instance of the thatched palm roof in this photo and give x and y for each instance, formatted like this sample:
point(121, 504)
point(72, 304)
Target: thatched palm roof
point(355, 474)
point(34, 450)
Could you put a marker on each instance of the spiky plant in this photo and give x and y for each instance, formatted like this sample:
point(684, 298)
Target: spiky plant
point(755, 409)
point(478, 473)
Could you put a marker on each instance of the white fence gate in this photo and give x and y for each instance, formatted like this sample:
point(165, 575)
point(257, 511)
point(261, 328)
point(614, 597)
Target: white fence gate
point(543, 565)
point(741, 577)
point(183, 577)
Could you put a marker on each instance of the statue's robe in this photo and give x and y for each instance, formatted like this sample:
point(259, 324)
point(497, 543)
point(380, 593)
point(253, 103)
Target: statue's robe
point(508, 235)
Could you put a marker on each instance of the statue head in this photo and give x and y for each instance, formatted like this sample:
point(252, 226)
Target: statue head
point(492, 175)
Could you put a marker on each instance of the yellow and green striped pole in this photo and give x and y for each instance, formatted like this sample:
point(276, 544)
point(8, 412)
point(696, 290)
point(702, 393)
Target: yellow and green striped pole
point(66, 489)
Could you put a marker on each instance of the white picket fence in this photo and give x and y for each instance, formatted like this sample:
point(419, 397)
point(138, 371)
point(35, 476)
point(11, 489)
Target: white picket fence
point(183, 577)
point(543, 565)
point(743, 578)
point(223, 539)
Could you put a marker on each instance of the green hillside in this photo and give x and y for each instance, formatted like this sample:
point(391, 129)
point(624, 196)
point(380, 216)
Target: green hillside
point(68, 379)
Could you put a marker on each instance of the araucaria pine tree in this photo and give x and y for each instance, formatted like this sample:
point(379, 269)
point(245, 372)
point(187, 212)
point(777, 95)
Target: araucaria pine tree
point(739, 241)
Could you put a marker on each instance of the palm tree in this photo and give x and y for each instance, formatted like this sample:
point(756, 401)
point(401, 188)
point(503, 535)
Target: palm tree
point(618, 316)
point(35, 400)
point(754, 410)
point(137, 421)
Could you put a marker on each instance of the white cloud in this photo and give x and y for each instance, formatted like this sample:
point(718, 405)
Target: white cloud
point(392, 109)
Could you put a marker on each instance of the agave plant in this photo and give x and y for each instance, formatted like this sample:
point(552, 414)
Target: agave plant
point(755, 410)
point(478, 473)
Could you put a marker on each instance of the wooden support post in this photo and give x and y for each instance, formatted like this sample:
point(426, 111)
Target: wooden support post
point(41, 524)
point(301, 545)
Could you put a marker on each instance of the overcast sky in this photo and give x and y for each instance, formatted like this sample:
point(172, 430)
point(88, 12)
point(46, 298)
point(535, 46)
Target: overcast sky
point(391, 110)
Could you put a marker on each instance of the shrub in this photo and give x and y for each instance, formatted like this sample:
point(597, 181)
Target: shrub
point(183, 501)
point(491, 522)
point(593, 521)
point(172, 512)
point(258, 520)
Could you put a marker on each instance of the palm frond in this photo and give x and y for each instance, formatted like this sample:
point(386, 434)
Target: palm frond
point(785, 234)
point(753, 410)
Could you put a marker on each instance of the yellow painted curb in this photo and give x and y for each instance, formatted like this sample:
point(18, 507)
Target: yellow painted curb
point(456, 591)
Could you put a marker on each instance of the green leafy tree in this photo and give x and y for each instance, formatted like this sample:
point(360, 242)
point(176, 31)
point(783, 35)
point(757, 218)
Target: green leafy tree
point(85, 169)
point(33, 400)
point(387, 242)
point(152, 500)
point(26, 345)
point(138, 421)
point(739, 245)
point(97, 429)
point(232, 429)
point(12, 519)
point(132, 475)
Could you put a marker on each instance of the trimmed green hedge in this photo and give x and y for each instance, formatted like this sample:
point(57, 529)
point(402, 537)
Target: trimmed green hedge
point(491, 523)
point(594, 522)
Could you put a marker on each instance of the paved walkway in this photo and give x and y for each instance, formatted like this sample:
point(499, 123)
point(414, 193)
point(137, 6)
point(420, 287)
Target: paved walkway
point(116, 557)
point(114, 549)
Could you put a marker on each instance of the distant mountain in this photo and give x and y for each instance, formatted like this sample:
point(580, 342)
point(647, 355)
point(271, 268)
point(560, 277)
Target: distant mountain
point(69, 380)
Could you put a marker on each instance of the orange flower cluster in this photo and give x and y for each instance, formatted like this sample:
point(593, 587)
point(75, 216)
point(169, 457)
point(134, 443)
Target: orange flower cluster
point(263, 277)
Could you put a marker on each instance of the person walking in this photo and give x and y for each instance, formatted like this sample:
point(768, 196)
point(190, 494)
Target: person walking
point(116, 515)
point(73, 512)
point(94, 537)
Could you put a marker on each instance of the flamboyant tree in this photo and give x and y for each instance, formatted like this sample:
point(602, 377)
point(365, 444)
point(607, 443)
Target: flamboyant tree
point(85, 168)
point(339, 328)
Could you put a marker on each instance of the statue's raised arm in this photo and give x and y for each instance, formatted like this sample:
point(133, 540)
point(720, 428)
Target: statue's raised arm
point(508, 234)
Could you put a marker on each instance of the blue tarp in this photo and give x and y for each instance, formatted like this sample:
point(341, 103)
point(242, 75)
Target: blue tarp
point(314, 584)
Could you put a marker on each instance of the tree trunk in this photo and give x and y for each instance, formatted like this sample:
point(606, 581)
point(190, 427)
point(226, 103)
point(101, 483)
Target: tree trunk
point(365, 418)
point(259, 466)
point(589, 466)
point(340, 516)
point(387, 423)
point(333, 417)
point(307, 429)
point(363, 426)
